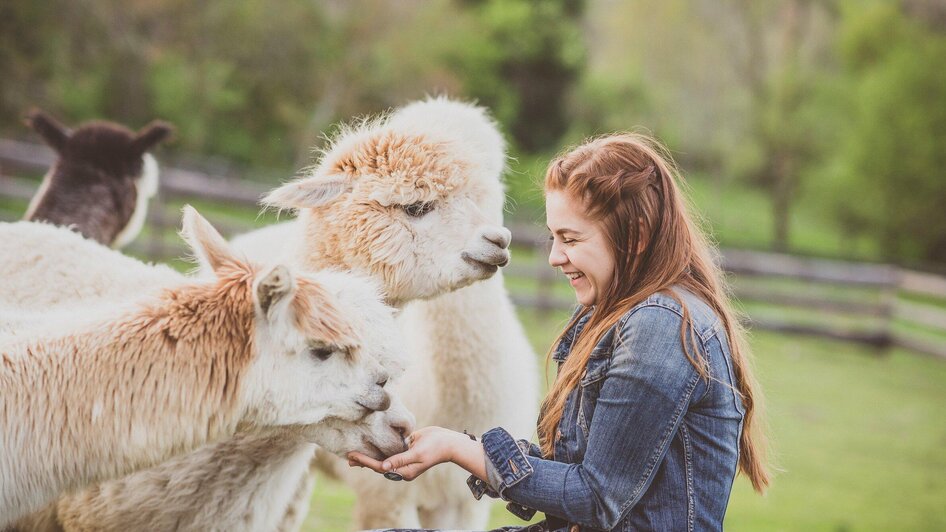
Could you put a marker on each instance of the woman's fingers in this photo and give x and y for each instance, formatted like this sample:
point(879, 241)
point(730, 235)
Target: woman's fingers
point(358, 459)
point(400, 460)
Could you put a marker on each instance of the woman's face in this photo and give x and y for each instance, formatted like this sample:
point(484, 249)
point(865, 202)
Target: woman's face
point(579, 247)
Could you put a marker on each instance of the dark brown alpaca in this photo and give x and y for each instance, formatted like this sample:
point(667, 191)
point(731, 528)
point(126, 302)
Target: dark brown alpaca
point(101, 183)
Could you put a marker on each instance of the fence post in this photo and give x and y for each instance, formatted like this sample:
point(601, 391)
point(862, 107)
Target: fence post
point(888, 304)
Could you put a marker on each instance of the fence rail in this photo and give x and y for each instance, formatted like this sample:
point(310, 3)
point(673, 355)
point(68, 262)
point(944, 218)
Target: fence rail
point(900, 305)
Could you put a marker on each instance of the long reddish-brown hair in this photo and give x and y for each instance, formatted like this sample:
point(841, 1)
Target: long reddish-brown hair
point(628, 184)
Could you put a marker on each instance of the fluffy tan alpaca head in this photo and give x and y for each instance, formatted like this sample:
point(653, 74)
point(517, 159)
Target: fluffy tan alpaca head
point(318, 338)
point(413, 199)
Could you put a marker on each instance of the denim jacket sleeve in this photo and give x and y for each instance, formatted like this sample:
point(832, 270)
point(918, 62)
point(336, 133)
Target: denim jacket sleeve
point(642, 401)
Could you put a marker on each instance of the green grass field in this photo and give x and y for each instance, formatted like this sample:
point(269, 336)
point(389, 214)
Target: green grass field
point(859, 435)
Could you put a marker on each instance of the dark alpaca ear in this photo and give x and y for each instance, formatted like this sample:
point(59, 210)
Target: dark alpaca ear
point(152, 134)
point(54, 133)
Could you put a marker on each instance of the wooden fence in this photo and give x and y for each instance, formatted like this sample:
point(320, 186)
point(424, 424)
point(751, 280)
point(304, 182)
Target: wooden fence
point(876, 304)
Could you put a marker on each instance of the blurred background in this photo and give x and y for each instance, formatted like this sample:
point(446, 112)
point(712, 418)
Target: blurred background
point(811, 133)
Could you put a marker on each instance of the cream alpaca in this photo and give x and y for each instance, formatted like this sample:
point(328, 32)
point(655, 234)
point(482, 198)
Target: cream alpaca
point(414, 200)
point(223, 482)
point(129, 387)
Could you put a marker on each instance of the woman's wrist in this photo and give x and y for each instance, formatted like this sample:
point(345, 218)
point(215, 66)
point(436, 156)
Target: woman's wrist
point(468, 454)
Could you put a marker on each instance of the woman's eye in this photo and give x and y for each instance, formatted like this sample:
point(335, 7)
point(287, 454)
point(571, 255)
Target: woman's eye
point(321, 353)
point(416, 210)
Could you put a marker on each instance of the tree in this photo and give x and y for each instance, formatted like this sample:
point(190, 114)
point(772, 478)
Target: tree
point(522, 60)
point(893, 154)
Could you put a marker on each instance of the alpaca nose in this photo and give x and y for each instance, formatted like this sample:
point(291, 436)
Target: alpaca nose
point(500, 236)
point(384, 403)
point(379, 404)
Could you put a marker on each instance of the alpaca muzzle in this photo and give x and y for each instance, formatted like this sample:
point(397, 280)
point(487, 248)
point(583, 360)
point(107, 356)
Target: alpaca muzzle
point(378, 401)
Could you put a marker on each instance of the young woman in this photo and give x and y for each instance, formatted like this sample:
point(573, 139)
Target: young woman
point(655, 407)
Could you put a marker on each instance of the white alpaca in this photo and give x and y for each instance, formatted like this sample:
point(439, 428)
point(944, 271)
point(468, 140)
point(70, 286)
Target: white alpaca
point(221, 485)
point(415, 201)
point(122, 388)
point(102, 181)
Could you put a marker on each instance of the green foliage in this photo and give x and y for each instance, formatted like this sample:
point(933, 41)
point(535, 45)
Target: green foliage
point(521, 59)
point(894, 148)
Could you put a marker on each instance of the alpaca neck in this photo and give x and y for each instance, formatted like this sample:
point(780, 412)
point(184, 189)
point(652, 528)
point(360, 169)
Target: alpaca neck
point(113, 397)
point(247, 480)
point(465, 341)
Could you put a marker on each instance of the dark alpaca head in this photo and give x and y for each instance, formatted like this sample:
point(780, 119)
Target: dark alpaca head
point(103, 178)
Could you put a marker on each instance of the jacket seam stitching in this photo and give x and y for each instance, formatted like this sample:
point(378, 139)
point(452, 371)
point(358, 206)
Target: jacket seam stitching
point(668, 433)
point(687, 461)
point(705, 335)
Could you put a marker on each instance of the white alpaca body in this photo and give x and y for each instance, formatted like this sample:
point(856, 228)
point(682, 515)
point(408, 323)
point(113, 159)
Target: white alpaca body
point(44, 266)
point(249, 464)
point(202, 489)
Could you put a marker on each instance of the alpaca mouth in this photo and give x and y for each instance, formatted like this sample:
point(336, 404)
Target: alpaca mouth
point(489, 263)
point(373, 450)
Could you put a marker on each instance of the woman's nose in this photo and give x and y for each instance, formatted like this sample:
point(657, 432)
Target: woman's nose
point(556, 257)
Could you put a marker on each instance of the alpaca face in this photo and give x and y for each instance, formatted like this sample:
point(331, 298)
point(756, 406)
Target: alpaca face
point(419, 210)
point(320, 359)
point(320, 339)
point(419, 247)
point(378, 435)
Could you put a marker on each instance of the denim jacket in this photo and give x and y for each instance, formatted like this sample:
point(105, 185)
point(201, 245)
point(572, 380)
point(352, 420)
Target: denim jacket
point(645, 443)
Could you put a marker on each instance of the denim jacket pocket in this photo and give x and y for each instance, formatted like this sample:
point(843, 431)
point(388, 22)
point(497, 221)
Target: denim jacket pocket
point(589, 388)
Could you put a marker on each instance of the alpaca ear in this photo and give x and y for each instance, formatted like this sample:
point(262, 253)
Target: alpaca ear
point(206, 243)
point(152, 134)
point(307, 192)
point(277, 285)
point(54, 133)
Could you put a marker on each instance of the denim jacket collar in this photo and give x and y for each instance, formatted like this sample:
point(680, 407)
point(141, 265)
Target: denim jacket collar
point(564, 347)
point(565, 344)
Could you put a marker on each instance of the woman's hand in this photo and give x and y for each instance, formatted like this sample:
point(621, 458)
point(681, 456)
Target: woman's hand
point(428, 447)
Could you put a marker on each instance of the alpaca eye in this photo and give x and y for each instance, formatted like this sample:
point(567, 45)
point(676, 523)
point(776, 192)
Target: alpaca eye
point(416, 210)
point(321, 353)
